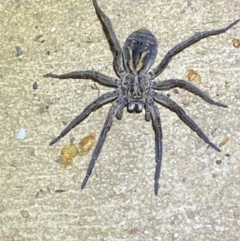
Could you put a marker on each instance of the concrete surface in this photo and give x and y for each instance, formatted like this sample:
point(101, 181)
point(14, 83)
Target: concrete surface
point(199, 195)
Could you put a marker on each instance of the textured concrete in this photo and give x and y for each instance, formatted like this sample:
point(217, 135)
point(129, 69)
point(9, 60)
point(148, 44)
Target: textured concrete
point(199, 195)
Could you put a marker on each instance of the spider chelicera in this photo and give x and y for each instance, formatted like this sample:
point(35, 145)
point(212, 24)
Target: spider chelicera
point(135, 88)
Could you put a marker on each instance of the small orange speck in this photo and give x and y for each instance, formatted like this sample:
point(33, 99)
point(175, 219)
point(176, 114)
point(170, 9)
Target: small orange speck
point(86, 144)
point(69, 151)
point(193, 76)
point(64, 162)
point(222, 143)
point(236, 43)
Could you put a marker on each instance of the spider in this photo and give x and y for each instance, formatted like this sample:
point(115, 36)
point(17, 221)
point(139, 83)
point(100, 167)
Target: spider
point(135, 87)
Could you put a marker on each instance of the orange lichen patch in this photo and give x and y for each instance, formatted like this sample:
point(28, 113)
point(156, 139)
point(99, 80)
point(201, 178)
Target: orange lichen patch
point(193, 76)
point(85, 145)
point(64, 162)
point(236, 43)
point(224, 142)
point(69, 151)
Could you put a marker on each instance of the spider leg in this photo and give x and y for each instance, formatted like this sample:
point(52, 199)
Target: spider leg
point(147, 113)
point(102, 100)
point(107, 125)
point(173, 106)
point(156, 122)
point(186, 43)
point(112, 38)
point(93, 75)
point(172, 83)
point(119, 113)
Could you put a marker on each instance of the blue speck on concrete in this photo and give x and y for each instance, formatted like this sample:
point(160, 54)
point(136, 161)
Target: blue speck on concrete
point(21, 134)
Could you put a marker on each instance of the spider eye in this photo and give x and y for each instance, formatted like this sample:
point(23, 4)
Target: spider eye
point(136, 92)
point(130, 91)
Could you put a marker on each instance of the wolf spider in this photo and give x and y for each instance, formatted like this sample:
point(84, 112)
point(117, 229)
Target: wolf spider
point(135, 87)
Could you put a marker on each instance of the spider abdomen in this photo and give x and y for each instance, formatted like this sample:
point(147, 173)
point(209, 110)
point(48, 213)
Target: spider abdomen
point(139, 51)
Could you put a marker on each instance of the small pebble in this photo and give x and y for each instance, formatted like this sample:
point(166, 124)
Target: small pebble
point(236, 43)
point(176, 235)
point(18, 50)
point(219, 228)
point(175, 91)
point(53, 29)
point(35, 86)
point(21, 134)
point(218, 162)
point(146, 232)
point(24, 213)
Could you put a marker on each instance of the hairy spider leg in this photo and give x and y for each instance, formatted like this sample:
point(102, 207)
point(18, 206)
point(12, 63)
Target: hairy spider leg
point(173, 83)
point(118, 104)
point(93, 75)
point(113, 41)
point(186, 43)
point(147, 113)
point(102, 100)
point(173, 106)
point(156, 123)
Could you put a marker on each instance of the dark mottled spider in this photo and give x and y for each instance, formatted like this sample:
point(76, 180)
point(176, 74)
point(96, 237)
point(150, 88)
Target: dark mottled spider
point(135, 87)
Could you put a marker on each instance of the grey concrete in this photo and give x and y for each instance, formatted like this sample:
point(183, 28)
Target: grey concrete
point(199, 196)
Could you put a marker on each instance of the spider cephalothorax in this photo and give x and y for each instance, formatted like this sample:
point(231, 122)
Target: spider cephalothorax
point(135, 88)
